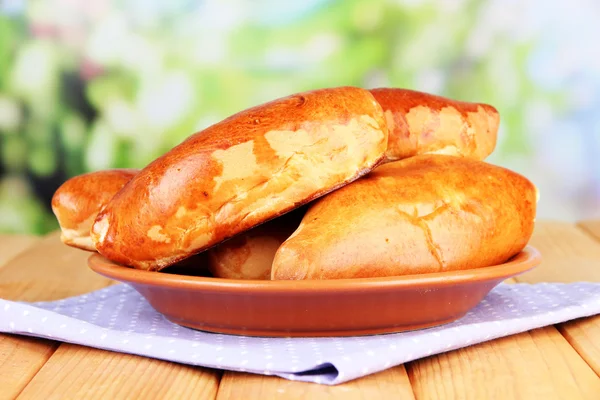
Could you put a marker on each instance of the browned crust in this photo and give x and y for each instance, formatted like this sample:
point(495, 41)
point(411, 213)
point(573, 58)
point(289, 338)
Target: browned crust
point(243, 171)
point(77, 201)
point(421, 123)
point(428, 213)
point(250, 254)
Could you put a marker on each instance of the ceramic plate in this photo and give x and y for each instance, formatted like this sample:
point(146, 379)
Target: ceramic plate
point(341, 307)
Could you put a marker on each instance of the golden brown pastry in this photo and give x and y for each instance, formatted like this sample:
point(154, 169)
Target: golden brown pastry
point(427, 213)
point(247, 256)
point(76, 203)
point(250, 254)
point(421, 123)
point(238, 173)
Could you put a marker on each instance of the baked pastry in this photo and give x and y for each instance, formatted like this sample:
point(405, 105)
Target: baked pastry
point(241, 172)
point(424, 214)
point(246, 256)
point(250, 254)
point(421, 123)
point(77, 201)
point(418, 123)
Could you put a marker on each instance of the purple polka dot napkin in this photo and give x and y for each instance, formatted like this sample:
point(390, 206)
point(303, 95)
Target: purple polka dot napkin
point(117, 318)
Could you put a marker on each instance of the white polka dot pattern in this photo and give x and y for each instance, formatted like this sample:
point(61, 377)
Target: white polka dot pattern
point(117, 318)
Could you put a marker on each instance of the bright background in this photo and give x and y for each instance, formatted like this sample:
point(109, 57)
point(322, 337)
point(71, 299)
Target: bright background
point(88, 85)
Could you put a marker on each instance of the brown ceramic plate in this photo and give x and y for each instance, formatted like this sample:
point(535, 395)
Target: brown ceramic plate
point(341, 307)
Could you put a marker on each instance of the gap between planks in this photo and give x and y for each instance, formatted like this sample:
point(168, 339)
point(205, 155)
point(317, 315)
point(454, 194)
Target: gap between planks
point(257, 384)
point(591, 227)
point(543, 363)
point(584, 334)
point(502, 368)
point(80, 370)
point(46, 270)
point(571, 252)
point(77, 371)
point(46, 369)
point(21, 357)
point(392, 383)
point(50, 373)
point(537, 364)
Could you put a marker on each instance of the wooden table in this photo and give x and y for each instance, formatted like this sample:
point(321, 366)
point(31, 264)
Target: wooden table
point(555, 362)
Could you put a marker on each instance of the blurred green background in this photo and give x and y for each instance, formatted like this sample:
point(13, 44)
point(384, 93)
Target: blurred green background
point(89, 85)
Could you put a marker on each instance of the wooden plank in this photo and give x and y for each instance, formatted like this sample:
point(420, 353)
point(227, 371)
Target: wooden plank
point(584, 335)
point(48, 271)
point(551, 352)
point(592, 227)
point(51, 270)
point(20, 359)
point(11, 245)
point(539, 364)
point(389, 384)
point(77, 372)
point(569, 254)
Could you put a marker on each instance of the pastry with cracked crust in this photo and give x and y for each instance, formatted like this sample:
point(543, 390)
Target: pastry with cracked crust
point(424, 214)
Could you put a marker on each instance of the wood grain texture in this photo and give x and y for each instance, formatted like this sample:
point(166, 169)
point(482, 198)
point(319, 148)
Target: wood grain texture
point(11, 245)
point(20, 359)
point(592, 227)
point(536, 364)
point(511, 366)
point(77, 372)
point(389, 384)
point(48, 271)
point(584, 336)
point(52, 270)
point(569, 254)
point(539, 364)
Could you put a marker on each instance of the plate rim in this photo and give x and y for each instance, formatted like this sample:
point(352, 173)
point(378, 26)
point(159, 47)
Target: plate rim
point(523, 261)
